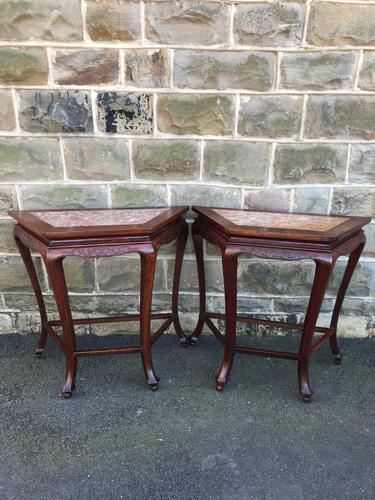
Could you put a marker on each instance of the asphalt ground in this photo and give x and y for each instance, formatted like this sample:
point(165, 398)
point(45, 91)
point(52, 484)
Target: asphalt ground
point(116, 439)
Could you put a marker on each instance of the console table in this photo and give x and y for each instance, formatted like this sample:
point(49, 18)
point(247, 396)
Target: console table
point(285, 236)
point(56, 234)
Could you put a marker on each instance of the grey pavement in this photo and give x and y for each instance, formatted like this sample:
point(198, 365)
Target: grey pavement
point(115, 439)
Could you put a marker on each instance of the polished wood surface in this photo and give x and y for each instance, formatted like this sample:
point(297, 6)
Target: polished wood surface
point(101, 233)
point(277, 236)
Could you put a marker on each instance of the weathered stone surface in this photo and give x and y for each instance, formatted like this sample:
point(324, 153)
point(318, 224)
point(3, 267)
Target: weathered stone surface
point(7, 243)
point(362, 164)
point(270, 199)
point(354, 306)
point(369, 250)
point(270, 116)
point(309, 163)
point(269, 24)
point(341, 24)
point(30, 159)
point(86, 67)
point(206, 196)
point(63, 196)
point(7, 118)
point(23, 66)
point(188, 22)
point(113, 20)
point(367, 73)
point(96, 159)
point(340, 117)
point(41, 20)
point(13, 273)
point(55, 111)
point(312, 200)
point(139, 195)
point(121, 274)
point(362, 283)
point(125, 112)
point(223, 70)
point(269, 277)
point(189, 280)
point(236, 162)
point(79, 274)
point(299, 305)
point(353, 201)
point(6, 323)
point(169, 160)
point(196, 114)
point(8, 198)
point(147, 67)
point(317, 70)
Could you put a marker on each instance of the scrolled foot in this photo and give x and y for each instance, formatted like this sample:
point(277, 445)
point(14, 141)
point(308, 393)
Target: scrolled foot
point(306, 394)
point(153, 387)
point(67, 394)
point(38, 353)
point(337, 358)
point(220, 386)
point(192, 340)
point(184, 341)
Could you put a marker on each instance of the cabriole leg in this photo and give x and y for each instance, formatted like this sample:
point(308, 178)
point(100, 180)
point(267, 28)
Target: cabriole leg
point(198, 246)
point(350, 267)
point(148, 264)
point(322, 274)
point(29, 264)
point(56, 275)
point(181, 243)
point(230, 290)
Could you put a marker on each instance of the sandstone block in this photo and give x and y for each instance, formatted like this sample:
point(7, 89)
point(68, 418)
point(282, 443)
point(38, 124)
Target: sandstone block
point(57, 20)
point(318, 70)
point(196, 114)
point(362, 283)
point(270, 116)
point(236, 162)
point(353, 201)
point(121, 274)
point(269, 24)
point(8, 198)
point(7, 117)
point(267, 199)
point(341, 24)
point(309, 163)
point(113, 20)
point(63, 196)
point(367, 72)
point(14, 277)
point(223, 70)
point(55, 111)
point(267, 277)
point(147, 68)
point(139, 195)
point(169, 160)
point(79, 274)
point(125, 112)
point(7, 243)
point(96, 159)
point(86, 67)
point(351, 117)
point(30, 159)
point(206, 196)
point(23, 66)
point(188, 22)
point(362, 164)
point(312, 200)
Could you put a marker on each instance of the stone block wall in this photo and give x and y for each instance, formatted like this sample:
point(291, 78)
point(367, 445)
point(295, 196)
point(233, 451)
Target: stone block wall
point(253, 104)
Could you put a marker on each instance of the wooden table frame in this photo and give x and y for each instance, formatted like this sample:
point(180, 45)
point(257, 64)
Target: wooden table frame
point(324, 255)
point(53, 253)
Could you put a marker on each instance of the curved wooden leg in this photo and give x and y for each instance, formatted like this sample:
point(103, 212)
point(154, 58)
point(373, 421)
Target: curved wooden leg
point(56, 275)
point(322, 274)
point(350, 267)
point(198, 246)
point(29, 264)
point(230, 290)
point(181, 243)
point(148, 264)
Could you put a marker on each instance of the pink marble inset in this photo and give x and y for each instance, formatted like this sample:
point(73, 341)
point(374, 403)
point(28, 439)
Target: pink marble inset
point(77, 218)
point(317, 223)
